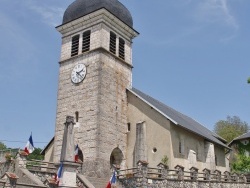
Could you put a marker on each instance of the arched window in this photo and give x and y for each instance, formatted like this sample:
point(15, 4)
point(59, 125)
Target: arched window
point(121, 48)
point(86, 41)
point(75, 45)
point(112, 43)
point(116, 157)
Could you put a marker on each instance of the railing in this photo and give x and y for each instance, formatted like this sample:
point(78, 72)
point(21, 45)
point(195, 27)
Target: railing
point(143, 173)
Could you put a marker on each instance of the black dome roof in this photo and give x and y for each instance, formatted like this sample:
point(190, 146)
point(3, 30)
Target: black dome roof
point(81, 8)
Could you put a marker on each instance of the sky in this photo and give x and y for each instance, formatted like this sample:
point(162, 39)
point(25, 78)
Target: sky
point(192, 55)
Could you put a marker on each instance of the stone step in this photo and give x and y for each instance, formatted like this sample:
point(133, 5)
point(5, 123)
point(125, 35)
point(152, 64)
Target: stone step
point(99, 182)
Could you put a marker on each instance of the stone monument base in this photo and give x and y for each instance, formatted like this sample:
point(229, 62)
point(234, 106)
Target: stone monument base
point(68, 178)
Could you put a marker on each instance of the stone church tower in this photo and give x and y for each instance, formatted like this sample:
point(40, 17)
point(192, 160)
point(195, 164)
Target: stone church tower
point(95, 70)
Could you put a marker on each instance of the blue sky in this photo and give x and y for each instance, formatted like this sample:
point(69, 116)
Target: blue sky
point(193, 55)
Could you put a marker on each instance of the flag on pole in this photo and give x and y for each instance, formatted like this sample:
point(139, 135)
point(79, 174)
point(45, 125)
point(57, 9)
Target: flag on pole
point(29, 148)
point(76, 153)
point(59, 174)
point(112, 180)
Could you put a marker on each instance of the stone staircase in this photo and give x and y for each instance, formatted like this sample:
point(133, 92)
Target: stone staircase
point(99, 182)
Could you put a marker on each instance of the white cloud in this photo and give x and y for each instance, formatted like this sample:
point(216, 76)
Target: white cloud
point(216, 11)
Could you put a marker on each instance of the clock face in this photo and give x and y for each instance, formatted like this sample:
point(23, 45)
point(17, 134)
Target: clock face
point(78, 73)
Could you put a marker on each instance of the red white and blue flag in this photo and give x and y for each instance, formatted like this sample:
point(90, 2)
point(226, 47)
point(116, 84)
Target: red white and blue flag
point(29, 148)
point(112, 180)
point(59, 174)
point(76, 153)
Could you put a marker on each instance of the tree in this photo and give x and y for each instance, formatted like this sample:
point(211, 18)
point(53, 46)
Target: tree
point(2, 146)
point(35, 154)
point(248, 81)
point(242, 164)
point(231, 128)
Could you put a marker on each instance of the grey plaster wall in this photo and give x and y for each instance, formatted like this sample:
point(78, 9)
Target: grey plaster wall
point(157, 132)
point(166, 137)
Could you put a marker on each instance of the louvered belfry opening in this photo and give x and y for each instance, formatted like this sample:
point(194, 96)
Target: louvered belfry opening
point(121, 48)
point(112, 43)
point(86, 41)
point(75, 45)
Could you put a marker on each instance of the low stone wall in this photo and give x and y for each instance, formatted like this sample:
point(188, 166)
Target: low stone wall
point(137, 183)
point(143, 176)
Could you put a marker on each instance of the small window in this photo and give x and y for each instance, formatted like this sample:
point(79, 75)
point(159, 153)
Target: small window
point(121, 48)
point(86, 41)
point(215, 157)
point(77, 116)
point(154, 150)
point(128, 127)
point(245, 142)
point(181, 146)
point(75, 45)
point(112, 43)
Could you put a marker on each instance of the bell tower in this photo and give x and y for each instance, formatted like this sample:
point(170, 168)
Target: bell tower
point(95, 69)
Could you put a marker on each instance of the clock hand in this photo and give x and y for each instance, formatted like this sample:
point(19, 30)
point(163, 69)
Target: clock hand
point(79, 74)
point(79, 71)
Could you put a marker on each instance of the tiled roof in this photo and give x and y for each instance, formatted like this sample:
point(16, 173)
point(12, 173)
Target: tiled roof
point(241, 137)
point(179, 119)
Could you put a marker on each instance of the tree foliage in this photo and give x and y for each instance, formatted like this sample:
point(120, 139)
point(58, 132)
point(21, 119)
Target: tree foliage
point(231, 128)
point(242, 163)
point(35, 154)
point(248, 81)
point(164, 160)
point(2, 146)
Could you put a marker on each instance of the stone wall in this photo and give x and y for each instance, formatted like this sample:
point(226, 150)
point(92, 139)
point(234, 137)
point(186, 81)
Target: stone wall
point(132, 183)
point(12, 152)
point(5, 167)
point(161, 177)
point(100, 99)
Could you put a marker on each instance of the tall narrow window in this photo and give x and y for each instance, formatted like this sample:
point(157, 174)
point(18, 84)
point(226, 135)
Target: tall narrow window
point(181, 146)
point(77, 116)
point(86, 41)
point(75, 45)
point(128, 127)
point(121, 48)
point(112, 43)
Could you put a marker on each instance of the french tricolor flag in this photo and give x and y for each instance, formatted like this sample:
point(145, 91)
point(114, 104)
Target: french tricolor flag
point(76, 153)
point(29, 148)
point(59, 174)
point(112, 180)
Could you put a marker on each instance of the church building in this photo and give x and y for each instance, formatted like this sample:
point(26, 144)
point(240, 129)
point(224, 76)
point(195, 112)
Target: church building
point(115, 123)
